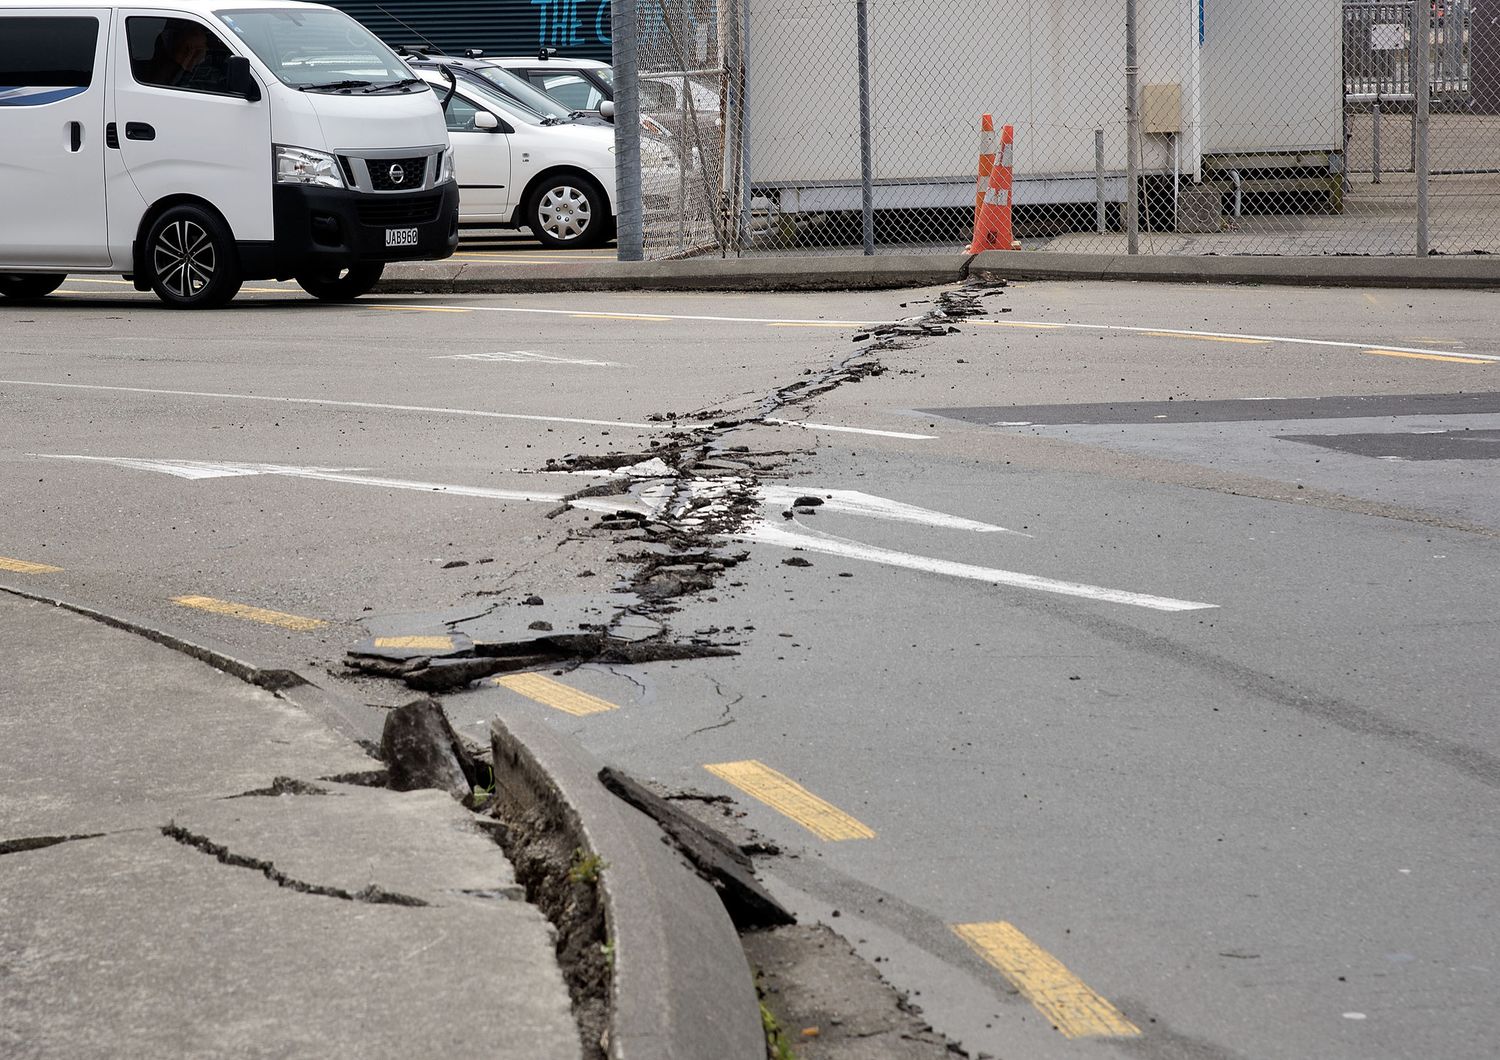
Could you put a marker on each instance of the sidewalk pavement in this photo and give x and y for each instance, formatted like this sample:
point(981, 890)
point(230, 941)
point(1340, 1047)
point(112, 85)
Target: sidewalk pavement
point(156, 903)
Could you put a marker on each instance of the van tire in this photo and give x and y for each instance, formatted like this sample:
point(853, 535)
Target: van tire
point(341, 285)
point(28, 287)
point(568, 211)
point(190, 259)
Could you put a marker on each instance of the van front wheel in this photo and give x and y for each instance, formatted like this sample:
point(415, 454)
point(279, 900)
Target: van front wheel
point(28, 287)
point(191, 261)
point(341, 285)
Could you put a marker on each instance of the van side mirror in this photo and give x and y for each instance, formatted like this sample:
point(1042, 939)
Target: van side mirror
point(242, 82)
point(607, 109)
point(484, 121)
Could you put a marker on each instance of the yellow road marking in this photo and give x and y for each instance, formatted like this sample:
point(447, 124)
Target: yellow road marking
point(250, 614)
point(1371, 298)
point(419, 308)
point(616, 316)
point(131, 284)
point(1057, 993)
point(1428, 357)
point(1206, 338)
point(433, 643)
point(21, 566)
point(555, 694)
point(1013, 324)
point(785, 795)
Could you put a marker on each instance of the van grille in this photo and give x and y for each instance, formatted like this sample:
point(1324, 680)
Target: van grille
point(385, 213)
point(413, 172)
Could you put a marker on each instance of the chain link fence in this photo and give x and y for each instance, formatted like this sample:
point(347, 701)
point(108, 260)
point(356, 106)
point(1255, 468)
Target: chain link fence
point(1301, 127)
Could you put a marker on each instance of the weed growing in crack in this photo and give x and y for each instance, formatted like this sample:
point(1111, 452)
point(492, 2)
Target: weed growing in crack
point(777, 1045)
point(586, 867)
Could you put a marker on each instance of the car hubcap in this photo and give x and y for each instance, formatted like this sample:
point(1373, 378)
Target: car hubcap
point(184, 258)
point(565, 213)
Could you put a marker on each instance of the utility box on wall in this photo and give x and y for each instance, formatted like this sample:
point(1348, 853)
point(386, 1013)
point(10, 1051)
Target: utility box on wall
point(1161, 108)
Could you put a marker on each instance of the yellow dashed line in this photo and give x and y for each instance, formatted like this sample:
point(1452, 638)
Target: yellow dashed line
point(616, 316)
point(433, 643)
point(1429, 357)
point(1207, 338)
point(555, 694)
point(250, 614)
point(21, 566)
point(786, 796)
point(419, 308)
point(1057, 993)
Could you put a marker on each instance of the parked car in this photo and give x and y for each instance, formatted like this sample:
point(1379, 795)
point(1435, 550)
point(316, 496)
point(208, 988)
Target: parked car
point(519, 168)
point(512, 86)
point(191, 145)
point(582, 84)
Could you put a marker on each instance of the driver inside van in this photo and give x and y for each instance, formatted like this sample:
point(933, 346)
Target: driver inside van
point(180, 50)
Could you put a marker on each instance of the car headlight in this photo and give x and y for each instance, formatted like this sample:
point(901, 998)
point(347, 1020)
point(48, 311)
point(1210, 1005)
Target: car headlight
point(445, 167)
point(301, 165)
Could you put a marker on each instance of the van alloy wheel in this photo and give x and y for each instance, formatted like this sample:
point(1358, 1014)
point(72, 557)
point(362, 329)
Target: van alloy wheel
point(190, 259)
point(184, 258)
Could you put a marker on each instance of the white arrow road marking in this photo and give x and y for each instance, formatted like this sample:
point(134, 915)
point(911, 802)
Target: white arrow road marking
point(657, 495)
point(526, 357)
point(857, 503)
point(814, 541)
point(196, 469)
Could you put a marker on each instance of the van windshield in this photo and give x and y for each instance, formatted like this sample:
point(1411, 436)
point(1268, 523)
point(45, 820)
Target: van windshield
point(317, 50)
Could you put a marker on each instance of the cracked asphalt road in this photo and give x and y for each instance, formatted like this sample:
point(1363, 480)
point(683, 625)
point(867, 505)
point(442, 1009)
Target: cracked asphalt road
point(1064, 822)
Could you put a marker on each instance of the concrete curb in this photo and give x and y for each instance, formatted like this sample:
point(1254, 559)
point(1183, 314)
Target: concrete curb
point(1470, 271)
point(681, 986)
point(889, 271)
point(689, 274)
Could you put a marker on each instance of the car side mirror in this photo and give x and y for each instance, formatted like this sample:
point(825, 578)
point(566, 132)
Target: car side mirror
point(484, 121)
point(242, 82)
point(607, 109)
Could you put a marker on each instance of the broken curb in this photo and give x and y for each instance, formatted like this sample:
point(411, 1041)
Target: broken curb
point(681, 986)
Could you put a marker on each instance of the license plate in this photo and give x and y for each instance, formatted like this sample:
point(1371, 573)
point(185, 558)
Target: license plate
point(400, 237)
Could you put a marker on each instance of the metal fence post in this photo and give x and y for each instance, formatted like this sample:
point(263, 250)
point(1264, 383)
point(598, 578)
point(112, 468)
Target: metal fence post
point(1132, 134)
point(745, 197)
point(1099, 180)
point(866, 161)
point(1420, 120)
point(1375, 139)
point(630, 235)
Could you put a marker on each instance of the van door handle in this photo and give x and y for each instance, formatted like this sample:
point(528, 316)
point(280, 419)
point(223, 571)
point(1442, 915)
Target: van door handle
point(139, 130)
point(75, 136)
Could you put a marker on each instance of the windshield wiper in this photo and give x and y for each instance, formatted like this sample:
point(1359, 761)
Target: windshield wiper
point(405, 82)
point(331, 85)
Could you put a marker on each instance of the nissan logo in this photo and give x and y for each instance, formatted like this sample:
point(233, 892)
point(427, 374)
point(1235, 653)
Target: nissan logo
point(397, 174)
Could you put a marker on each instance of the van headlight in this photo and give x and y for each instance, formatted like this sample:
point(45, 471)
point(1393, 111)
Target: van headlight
point(301, 165)
point(445, 167)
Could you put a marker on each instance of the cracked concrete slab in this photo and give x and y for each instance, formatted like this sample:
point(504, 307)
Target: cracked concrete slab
point(134, 945)
point(95, 737)
point(417, 843)
point(309, 919)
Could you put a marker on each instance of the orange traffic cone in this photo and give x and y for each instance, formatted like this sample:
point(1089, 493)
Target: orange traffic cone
point(992, 213)
point(987, 145)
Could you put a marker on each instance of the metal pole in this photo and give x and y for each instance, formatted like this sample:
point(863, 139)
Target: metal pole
point(1132, 135)
point(630, 235)
point(744, 125)
point(866, 162)
point(1420, 123)
point(684, 61)
point(1099, 180)
point(1375, 138)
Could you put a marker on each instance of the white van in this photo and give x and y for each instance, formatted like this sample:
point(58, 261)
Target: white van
point(190, 145)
